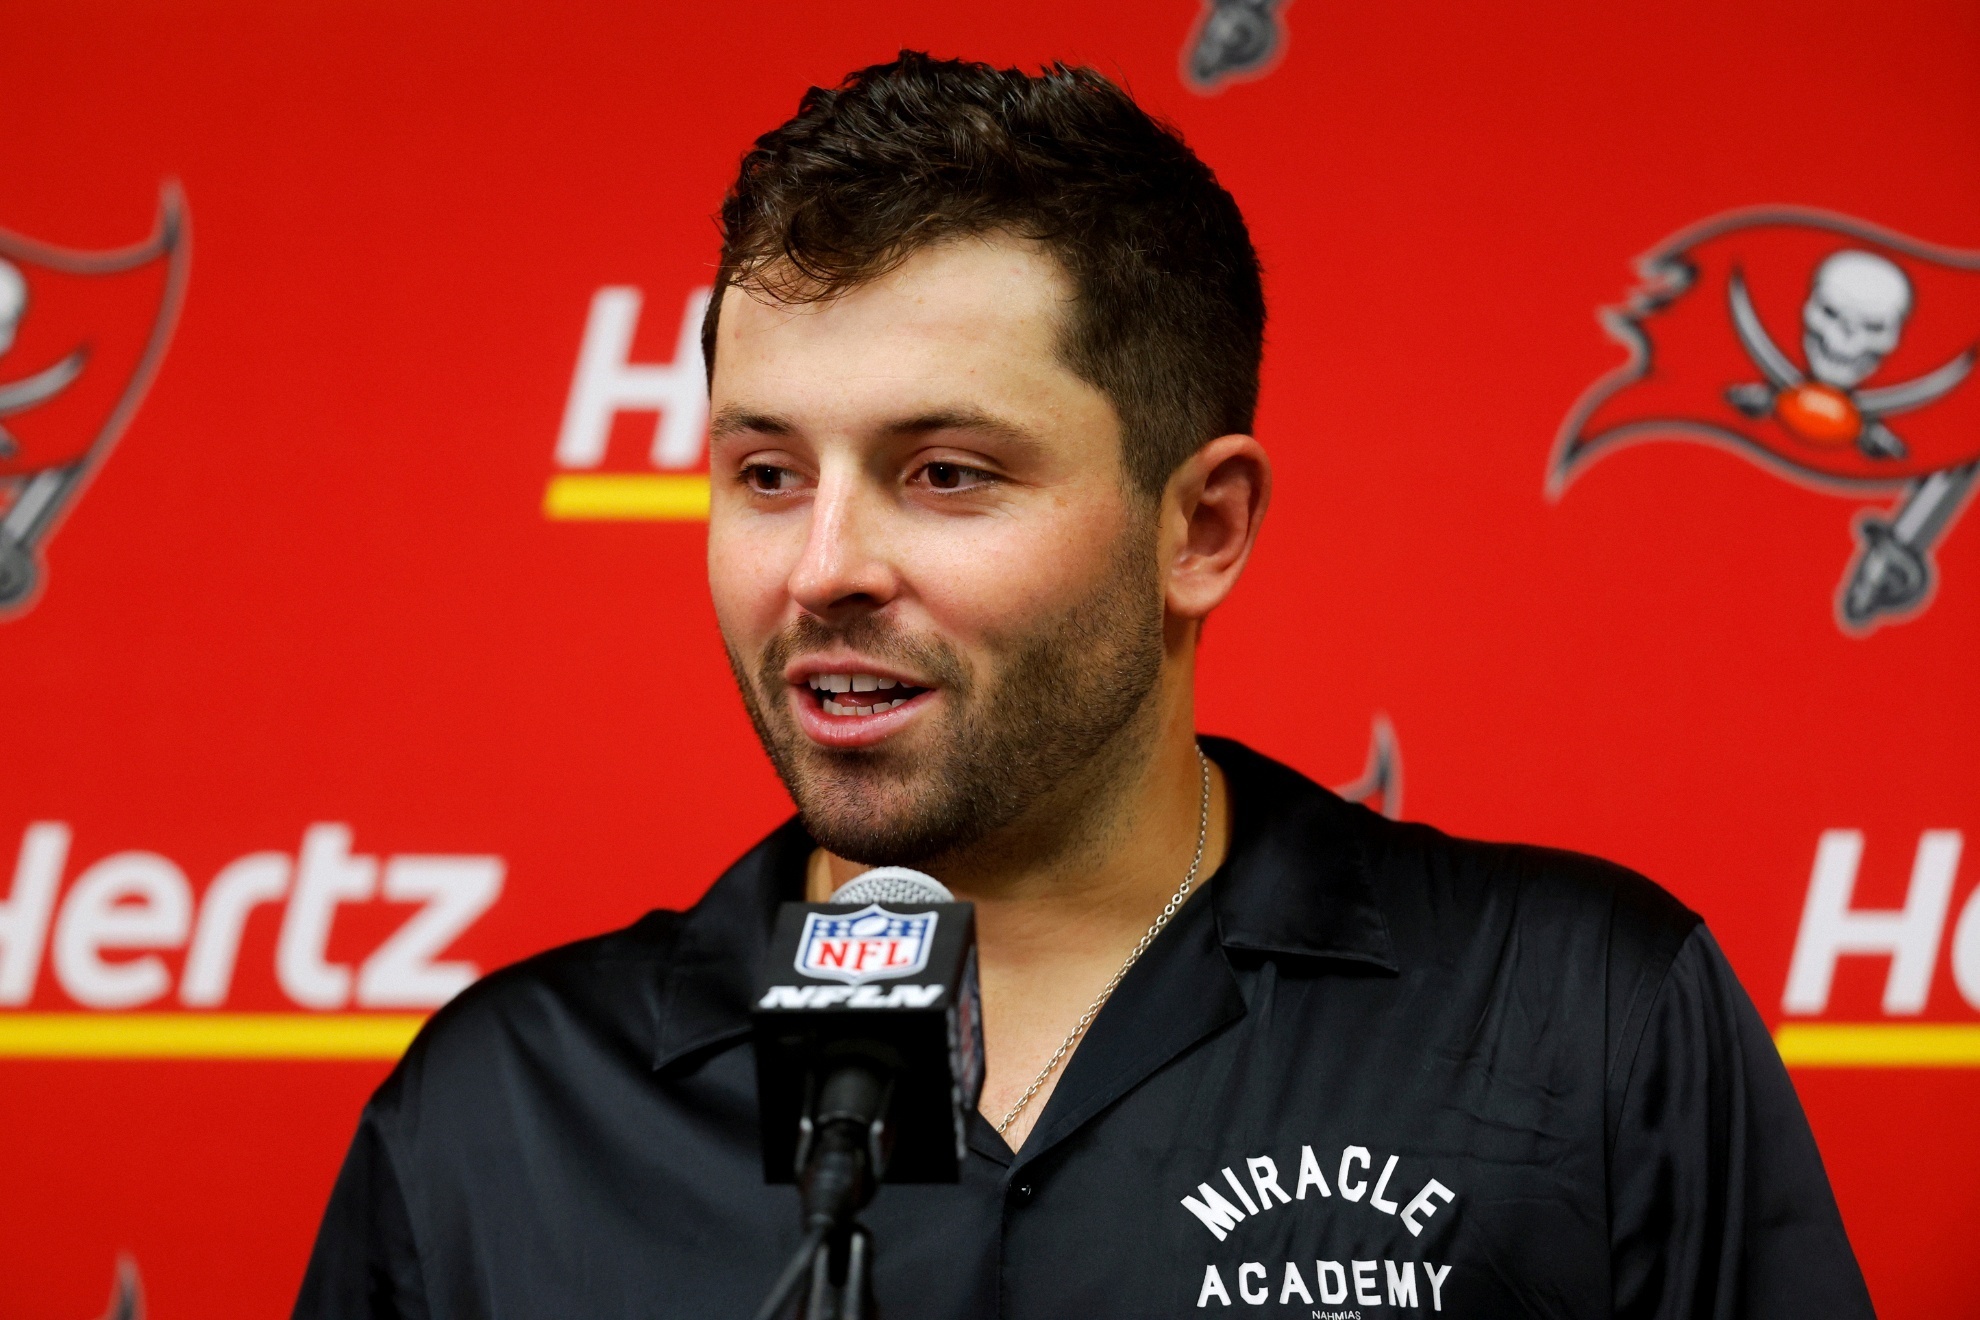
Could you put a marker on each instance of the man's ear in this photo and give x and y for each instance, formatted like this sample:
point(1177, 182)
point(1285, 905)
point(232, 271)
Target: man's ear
point(1211, 512)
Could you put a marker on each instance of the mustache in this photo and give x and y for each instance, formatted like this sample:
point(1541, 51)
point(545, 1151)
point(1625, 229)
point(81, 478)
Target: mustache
point(873, 635)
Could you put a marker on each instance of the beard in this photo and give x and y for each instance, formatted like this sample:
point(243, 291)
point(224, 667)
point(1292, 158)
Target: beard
point(1055, 699)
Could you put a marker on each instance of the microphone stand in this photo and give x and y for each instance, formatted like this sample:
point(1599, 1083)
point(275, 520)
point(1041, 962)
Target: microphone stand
point(842, 1151)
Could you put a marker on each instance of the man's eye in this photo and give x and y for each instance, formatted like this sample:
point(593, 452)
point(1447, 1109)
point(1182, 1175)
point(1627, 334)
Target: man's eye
point(952, 476)
point(765, 478)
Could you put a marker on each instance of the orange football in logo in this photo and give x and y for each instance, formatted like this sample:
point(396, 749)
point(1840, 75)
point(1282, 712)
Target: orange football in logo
point(1820, 414)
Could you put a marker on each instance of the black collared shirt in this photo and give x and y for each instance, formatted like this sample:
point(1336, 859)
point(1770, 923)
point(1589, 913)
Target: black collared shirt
point(1370, 1070)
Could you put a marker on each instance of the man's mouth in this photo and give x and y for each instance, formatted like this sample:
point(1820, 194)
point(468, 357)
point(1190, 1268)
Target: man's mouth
point(855, 694)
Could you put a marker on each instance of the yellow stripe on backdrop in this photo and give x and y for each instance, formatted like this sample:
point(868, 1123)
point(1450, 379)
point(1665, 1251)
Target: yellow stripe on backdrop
point(207, 1035)
point(386, 1035)
point(1879, 1044)
point(627, 496)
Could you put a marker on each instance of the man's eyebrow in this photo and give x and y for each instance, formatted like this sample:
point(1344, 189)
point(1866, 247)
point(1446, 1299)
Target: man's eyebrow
point(736, 420)
point(733, 421)
point(964, 419)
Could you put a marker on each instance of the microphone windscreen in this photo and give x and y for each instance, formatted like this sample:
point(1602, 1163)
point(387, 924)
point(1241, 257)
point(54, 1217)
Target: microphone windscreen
point(892, 884)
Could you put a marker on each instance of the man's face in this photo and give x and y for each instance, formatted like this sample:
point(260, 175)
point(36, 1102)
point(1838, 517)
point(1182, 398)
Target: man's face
point(938, 593)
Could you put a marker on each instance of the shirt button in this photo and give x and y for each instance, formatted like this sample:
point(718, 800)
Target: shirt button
point(1021, 1191)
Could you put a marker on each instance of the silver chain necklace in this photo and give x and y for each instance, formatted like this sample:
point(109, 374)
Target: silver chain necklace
point(1106, 992)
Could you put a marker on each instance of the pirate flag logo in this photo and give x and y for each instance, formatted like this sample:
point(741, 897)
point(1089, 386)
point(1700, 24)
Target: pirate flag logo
point(1835, 353)
point(81, 335)
point(1233, 39)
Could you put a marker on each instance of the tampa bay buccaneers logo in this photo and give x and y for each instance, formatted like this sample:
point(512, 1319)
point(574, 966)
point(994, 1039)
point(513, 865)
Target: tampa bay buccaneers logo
point(1836, 353)
point(81, 335)
point(1234, 39)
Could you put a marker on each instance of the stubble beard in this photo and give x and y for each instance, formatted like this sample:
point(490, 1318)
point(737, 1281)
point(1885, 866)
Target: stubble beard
point(1070, 700)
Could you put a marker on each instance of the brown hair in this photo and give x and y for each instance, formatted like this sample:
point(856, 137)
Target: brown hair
point(1168, 315)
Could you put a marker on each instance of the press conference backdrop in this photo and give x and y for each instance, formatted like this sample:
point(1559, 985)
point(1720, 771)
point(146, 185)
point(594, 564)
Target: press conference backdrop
point(353, 487)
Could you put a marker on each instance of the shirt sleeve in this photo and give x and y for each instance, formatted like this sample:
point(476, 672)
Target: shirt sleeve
point(365, 1265)
point(1719, 1204)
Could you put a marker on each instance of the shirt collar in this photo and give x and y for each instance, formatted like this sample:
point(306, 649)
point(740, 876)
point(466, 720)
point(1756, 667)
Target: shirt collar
point(1297, 879)
point(711, 979)
point(1296, 882)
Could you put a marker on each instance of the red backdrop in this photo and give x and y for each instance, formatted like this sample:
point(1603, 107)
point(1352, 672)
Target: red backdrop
point(324, 578)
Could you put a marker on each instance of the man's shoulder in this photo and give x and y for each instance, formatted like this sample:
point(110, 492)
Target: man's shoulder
point(1545, 893)
point(1576, 928)
point(1420, 874)
point(635, 999)
point(596, 972)
point(572, 1006)
point(1542, 886)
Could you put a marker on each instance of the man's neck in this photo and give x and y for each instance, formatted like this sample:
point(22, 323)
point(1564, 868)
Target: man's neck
point(1064, 896)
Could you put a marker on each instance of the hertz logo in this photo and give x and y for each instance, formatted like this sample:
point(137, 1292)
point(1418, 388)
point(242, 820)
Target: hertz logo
point(608, 382)
point(1911, 937)
point(129, 936)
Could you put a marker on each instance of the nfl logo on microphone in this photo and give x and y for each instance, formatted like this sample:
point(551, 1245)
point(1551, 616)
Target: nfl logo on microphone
point(872, 944)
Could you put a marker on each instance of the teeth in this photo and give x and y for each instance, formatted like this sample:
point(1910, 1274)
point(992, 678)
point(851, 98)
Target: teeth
point(834, 708)
point(851, 683)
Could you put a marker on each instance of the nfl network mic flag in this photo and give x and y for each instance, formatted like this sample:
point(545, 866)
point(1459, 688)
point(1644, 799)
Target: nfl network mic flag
point(894, 984)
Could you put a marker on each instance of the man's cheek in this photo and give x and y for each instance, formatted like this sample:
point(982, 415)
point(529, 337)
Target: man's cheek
point(745, 584)
point(1002, 585)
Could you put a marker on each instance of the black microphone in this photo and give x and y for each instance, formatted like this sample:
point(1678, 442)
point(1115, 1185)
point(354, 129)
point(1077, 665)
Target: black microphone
point(869, 1060)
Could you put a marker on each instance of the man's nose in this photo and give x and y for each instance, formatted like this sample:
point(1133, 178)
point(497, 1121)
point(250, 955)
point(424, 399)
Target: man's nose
point(843, 567)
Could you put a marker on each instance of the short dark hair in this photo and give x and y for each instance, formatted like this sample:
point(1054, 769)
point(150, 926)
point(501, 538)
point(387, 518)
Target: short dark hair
point(1168, 315)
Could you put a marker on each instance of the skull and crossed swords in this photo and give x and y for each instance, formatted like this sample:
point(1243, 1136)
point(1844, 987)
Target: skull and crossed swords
point(1852, 320)
point(35, 497)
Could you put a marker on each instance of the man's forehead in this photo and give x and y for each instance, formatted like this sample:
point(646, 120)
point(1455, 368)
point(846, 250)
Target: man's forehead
point(965, 276)
point(960, 324)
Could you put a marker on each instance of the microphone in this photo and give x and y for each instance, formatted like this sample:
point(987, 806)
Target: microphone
point(868, 1032)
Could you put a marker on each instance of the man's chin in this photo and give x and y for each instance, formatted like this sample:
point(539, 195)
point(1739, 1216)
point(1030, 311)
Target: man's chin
point(866, 815)
point(876, 841)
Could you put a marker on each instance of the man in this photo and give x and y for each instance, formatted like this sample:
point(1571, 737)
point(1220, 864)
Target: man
point(983, 366)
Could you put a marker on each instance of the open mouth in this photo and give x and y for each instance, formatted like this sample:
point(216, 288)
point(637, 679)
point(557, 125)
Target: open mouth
point(853, 695)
